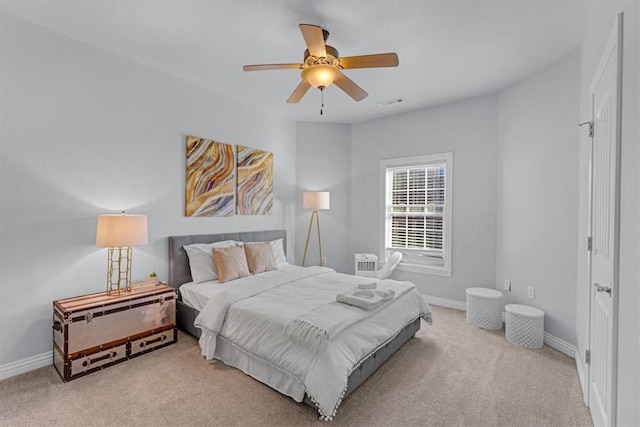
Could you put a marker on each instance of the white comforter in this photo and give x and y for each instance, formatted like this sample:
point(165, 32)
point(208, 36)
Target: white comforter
point(254, 312)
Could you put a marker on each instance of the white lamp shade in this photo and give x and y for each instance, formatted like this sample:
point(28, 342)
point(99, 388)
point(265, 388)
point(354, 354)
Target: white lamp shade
point(117, 231)
point(316, 200)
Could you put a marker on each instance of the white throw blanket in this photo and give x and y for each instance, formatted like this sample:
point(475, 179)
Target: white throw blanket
point(316, 327)
point(320, 325)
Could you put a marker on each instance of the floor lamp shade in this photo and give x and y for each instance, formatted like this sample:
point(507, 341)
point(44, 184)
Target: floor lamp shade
point(315, 200)
point(120, 233)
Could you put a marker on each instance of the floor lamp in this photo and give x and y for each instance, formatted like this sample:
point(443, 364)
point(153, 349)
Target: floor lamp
point(315, 200)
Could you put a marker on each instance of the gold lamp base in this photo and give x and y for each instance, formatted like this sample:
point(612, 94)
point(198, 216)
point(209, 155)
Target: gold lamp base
point(119, 271)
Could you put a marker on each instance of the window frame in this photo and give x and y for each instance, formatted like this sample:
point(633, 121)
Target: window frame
point(423, 160)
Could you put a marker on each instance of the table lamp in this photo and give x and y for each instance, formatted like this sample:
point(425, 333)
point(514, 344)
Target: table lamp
point(119, 233)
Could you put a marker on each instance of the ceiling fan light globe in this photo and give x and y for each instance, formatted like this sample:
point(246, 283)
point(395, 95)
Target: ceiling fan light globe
point(320, 75)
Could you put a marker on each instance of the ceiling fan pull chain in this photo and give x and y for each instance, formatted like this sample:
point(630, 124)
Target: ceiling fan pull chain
point(321, 99)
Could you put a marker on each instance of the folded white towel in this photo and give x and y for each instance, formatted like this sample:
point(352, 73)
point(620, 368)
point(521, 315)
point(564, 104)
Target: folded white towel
point(365, 303)
point(371, 285)
point(386, 295)
point(367, 293)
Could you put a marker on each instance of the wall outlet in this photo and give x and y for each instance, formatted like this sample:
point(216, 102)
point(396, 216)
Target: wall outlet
point(507, 285)
point(324, 261)
point(531, 292)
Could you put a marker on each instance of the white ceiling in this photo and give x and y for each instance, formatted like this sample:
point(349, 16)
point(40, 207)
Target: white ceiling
point(449, 50)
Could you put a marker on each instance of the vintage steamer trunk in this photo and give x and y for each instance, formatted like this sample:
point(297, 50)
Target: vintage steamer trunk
point(95, 331)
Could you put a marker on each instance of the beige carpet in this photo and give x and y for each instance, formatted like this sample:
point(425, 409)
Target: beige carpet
point(449, 375)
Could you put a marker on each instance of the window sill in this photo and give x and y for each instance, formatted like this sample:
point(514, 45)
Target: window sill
point(425, 269)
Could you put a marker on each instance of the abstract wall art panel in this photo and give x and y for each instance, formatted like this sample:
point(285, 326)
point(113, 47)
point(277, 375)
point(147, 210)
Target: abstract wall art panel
point(210, 183)
point(255, 181)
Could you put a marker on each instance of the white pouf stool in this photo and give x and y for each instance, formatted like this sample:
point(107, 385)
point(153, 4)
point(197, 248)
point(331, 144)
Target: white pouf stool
point(484, 308)
point(524, 325)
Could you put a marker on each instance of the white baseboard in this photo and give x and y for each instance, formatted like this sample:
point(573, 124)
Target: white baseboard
point(560, 345)
point(551, 340)
point(448, 303)
point(25, 365)
point(582, 377)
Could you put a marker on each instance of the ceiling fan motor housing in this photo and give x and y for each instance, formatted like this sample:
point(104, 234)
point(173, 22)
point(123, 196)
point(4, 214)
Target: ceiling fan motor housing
point(332, 57)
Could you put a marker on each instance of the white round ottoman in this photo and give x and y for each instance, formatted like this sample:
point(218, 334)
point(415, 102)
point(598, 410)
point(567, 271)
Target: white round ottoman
point(484, 308)
point(524, 325)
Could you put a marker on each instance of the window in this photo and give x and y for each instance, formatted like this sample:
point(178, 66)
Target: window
point(416, 218)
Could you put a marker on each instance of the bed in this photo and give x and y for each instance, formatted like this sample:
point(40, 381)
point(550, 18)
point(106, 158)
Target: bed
point(245, 352)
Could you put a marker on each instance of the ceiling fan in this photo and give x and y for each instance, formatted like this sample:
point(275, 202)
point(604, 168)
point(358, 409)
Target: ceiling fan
point(323, 66)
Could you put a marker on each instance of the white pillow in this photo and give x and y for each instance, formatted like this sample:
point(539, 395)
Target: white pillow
point(201, 262)
point(278, 253)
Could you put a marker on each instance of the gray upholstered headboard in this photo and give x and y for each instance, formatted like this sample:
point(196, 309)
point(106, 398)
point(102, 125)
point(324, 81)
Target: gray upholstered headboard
point(179, 271)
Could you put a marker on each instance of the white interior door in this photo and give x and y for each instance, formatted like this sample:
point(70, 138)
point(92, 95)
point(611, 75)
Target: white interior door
point(605, 91)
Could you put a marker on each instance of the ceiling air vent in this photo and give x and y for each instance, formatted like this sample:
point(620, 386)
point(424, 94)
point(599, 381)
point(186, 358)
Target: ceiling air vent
point(390, 102)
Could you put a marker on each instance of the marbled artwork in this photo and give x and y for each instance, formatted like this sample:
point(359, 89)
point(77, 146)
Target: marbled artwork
point(210, 183)
point(255, 181)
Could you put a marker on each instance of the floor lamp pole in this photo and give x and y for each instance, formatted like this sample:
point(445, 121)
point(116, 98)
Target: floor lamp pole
point(319, 240)
point(315, 215)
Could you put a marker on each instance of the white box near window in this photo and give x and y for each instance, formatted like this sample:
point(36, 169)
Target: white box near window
point(366, 265)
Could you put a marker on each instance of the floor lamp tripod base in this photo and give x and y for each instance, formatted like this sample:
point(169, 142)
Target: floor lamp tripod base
point(314, 215)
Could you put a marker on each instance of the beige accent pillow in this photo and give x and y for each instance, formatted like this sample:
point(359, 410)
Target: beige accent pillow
point(260, 257)
point(231, 263)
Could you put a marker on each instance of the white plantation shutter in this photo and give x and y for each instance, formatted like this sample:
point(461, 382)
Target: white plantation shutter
point(417, 204)
point(416, 221)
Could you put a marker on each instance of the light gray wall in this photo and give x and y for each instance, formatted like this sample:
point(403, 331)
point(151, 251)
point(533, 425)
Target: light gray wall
point(86, 132)
point(601, 18)
point(323, 161)
point(538, 192)
point(469, 130)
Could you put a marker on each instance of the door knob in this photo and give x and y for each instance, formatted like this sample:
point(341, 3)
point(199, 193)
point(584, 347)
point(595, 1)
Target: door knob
point(599, 288)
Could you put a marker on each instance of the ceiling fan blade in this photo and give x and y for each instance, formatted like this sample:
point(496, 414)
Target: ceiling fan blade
point(314, 39)
point(352, 89)
point(370, 61)
point(299, 92)
point(262, 67)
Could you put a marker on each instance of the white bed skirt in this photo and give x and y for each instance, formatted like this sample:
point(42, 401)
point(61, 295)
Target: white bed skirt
point(261, 370)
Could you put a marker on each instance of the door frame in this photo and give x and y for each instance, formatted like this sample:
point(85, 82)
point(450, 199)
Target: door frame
point(615, 41)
